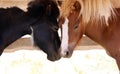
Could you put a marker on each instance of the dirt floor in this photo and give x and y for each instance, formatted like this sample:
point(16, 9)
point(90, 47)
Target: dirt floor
point(31, 61)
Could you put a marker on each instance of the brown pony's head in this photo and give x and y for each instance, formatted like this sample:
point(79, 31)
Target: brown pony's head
point(70, 29)
point(76, 15)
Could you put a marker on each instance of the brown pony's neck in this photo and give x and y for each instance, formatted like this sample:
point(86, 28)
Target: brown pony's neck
point(101, 33)
point(107, 36)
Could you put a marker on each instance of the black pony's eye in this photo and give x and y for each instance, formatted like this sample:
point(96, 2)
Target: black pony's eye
point(54, 28)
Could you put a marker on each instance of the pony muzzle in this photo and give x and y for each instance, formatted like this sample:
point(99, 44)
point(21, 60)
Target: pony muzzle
point(54, 56)
point(66, 53)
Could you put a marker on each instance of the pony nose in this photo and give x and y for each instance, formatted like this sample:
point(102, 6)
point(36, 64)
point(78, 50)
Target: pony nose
point(66, 54)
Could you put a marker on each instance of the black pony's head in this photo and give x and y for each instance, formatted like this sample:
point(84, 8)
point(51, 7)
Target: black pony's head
point(45, 29)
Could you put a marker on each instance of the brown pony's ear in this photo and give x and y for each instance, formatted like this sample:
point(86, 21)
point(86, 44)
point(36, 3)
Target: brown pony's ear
point(77, 6)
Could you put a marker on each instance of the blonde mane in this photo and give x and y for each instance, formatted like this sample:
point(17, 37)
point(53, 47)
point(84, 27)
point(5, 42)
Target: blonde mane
point(90, 9)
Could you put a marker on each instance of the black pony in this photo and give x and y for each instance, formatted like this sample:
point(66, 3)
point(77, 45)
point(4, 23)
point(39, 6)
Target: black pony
point(40, 20)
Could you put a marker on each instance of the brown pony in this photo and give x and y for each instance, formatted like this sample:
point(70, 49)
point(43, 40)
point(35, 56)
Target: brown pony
point(97, 19)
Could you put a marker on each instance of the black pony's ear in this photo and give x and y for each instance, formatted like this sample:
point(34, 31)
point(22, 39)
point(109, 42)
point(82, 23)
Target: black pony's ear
point(49, 10)
point(36, 8)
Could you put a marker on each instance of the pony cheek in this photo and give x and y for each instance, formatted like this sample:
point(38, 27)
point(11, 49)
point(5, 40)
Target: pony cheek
point(71, 46)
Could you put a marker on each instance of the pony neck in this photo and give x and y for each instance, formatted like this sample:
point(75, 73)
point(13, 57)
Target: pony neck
point(106, 36)
point(95, 32)
point(18, 28)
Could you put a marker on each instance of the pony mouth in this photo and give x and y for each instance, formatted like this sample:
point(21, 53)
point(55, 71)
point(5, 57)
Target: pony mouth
point(53, 58)
point(50, 56)
point(67, 54)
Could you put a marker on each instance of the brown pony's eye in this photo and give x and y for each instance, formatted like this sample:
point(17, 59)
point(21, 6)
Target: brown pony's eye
point(76, 26)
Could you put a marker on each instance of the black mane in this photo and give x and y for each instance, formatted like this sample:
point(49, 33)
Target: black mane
point(43, 8)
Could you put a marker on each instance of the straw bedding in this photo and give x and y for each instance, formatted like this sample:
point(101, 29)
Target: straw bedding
point(35, 62)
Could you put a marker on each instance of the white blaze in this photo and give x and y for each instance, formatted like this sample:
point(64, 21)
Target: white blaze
point(32, 36)
point(64, 42)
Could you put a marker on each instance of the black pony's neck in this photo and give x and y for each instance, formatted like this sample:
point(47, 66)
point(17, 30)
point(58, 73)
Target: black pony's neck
point(15, 23)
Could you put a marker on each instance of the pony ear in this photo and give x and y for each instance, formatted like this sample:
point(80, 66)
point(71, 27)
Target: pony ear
point(49, 10)
point(77, 5)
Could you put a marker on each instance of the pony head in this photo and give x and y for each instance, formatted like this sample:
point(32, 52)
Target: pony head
point(70, 26)
point(44, 30)
point(76, 15)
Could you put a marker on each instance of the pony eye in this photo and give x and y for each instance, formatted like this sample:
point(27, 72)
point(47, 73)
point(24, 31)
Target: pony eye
point(55, 28)
point(76, 26)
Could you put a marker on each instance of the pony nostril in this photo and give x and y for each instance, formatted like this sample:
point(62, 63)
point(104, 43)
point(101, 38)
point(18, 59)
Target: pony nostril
point(67, 53)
